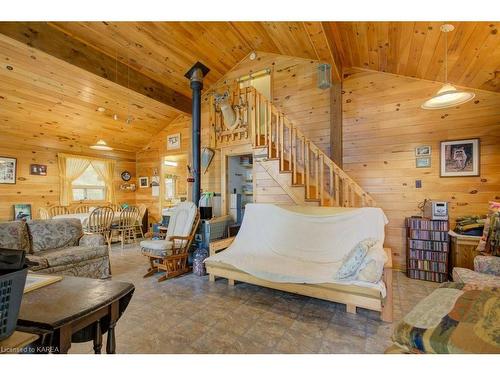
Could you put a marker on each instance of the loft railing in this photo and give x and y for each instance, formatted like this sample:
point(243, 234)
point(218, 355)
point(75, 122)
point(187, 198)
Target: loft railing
point(324, 181)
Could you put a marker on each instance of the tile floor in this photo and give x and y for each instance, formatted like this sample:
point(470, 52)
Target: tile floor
point(190, 315)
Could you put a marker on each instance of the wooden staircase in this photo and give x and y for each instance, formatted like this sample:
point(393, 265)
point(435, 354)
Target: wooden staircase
point(282, 149)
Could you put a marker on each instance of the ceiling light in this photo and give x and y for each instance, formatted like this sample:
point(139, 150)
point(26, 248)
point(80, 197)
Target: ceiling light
point(101, 145)
point(115, 117)
point(171, 163)
point(448, 95)
point(253, 55)
point(101, 109)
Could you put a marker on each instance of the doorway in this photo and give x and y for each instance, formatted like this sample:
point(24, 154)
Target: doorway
point(239, 185)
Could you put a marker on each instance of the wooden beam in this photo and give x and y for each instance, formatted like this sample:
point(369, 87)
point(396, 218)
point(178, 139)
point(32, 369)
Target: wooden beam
point(336, 148)
point(48, 39)
point(324, 48)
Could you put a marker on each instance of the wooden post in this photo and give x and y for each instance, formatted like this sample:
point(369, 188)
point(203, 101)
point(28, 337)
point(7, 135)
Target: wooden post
point(336, 150)
point(321, 179)
point(282, 143)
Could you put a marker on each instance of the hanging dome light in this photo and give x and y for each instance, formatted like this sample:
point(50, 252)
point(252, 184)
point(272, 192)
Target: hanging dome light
point(101, 145)
point(448, 95)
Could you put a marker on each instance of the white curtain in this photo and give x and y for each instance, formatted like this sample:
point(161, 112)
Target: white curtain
point(70, 168)
point(106, 170)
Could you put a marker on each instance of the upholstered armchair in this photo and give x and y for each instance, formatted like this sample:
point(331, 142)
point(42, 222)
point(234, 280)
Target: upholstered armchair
point(486, 272)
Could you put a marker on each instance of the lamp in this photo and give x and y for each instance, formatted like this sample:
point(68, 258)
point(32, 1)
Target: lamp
point(324, 76)
point(448, 95)
point(101, 145)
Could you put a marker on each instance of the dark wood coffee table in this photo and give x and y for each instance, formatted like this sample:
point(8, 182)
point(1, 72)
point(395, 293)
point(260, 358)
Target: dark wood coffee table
point(75, 309)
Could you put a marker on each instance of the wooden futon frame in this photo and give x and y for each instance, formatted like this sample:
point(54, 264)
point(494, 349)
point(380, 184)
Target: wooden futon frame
point(352, 296)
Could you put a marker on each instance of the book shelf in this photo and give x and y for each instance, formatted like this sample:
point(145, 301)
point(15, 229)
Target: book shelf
point(427, 249)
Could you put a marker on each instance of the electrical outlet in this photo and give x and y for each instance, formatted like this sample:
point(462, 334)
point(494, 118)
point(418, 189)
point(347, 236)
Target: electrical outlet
point(418, 184)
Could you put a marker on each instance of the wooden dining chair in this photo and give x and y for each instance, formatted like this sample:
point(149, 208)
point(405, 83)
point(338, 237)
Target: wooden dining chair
point(115, 207)
point(58, 210)
point(126, 223)
point(138, 224)
point(43, 213)
point(100, 221)
point(81, 209)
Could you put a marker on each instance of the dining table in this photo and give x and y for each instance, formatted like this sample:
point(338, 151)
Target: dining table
point(84, 217)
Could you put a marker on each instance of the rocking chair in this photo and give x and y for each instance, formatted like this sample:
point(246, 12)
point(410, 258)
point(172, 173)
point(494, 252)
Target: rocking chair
point(171, 254)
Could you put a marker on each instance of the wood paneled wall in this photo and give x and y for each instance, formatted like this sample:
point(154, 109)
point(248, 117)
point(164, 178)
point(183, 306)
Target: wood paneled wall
point(43, 191)
point(294, 90)
point(382, 125)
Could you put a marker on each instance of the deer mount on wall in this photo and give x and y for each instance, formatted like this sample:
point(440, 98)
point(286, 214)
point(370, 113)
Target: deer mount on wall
point(229, 115)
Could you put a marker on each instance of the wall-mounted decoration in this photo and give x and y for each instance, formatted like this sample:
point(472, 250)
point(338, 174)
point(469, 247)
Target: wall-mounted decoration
point(126, 176)
point(143, 182)
point(38, 169)
point(423, 151)
point(460, 158)
point(423, 162)
point(22, 212)
point(8, 167)
point(127, 187)
point(207, 154)
point(174, 141)
point(155, 186)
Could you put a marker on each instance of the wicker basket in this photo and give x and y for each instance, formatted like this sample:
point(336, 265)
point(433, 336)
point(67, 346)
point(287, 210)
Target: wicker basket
point(11, 293)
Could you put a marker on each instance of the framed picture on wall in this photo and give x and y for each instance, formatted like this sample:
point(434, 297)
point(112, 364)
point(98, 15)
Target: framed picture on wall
point(174, 141)
point(421, 151)
point(38, 169)
point(8, 170)
point(423, 162)
point(460, 158)
point(22, 212)
point(143, 182)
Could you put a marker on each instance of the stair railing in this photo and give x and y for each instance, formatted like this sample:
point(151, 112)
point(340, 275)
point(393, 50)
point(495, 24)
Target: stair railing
point(324, 181)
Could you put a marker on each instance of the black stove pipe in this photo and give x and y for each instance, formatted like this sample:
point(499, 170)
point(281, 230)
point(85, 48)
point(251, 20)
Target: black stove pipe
point(195, 75)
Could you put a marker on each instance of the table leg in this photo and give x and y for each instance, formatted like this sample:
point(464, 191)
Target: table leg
point(113, 317)
point(64, 339)
point(111, 342)
point(98, 338)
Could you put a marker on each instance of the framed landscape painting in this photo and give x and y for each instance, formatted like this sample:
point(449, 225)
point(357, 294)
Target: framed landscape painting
point(8, 168)
point(460, 158)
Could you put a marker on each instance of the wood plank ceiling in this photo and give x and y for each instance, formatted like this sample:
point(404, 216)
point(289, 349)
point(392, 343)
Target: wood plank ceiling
point(166, 50)
point(50, 101)
point(416, 49)
point(47, 102)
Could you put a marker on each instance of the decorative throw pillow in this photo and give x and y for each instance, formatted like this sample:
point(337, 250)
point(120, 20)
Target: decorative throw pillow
point(372, 266)
point(490, 241)
point(354, 258)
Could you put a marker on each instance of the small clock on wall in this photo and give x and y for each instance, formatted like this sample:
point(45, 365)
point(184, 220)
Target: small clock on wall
point(126, 176)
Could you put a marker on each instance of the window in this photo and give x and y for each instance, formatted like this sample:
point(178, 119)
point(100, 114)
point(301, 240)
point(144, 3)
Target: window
point(89, 186)
point(170, 186)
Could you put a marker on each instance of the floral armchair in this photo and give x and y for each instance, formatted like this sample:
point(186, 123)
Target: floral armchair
point(58, 246)
point(486, 272)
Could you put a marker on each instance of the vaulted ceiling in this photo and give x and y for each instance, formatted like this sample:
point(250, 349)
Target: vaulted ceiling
point(416, 49)
point(55, 75)
point(165, 51)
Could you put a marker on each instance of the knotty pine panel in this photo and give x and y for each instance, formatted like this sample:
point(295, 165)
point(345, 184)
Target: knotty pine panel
point(382, 125)
point(43, 191)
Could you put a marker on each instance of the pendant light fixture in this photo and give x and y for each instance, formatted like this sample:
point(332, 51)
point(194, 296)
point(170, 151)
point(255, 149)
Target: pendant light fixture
point(101, 145)
point(448, 95)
